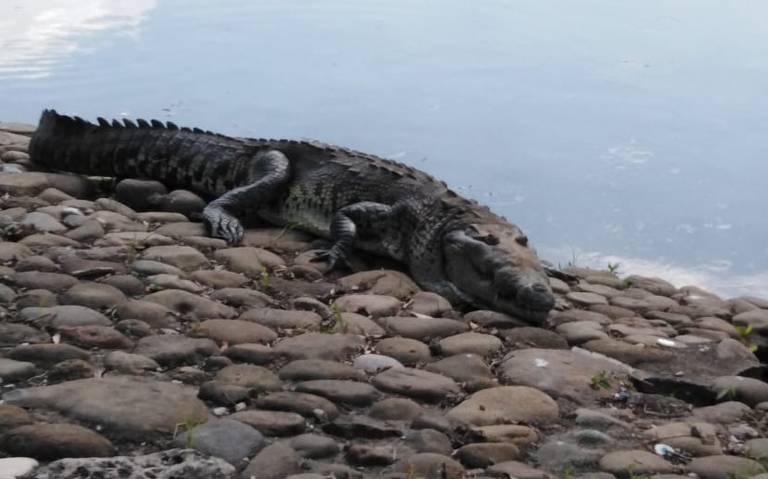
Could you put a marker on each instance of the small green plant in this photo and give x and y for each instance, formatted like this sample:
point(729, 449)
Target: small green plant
point(601, 380)
point(264, 278)
point(335, 323)
point(745, 333)
point(567, 472)
point(189, 425)
point(614, 267)
point(729, 393)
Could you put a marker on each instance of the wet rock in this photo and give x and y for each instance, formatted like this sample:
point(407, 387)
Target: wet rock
point(356, 426)
point(47, 354)
point(272, 423)
point(530, 337)
point(37, 263)
point(380, 282)
point(470, 343)
point(374, 363)
point(184, 202)
point(186, 463)
point(54, 441)
point(504, 404)
point(127, 405)
point(352, 323)
point(507, 433)
point(724, 413)
point(586, 299)
point(757, 448)
point(431, 466)
point(172, 350)
point(12, 417)
point(189, 304)
point(140, 194)
point(11, 252)
point(23, 184)
point(219, 279)
point(396, 409)
point(517, 470)
point(308, 405)
point(481, 455)
point(155, 315)
point(408, 351)
point(88, 231)
point(598, 420)
point(369, 304)
point(55, 282)
point(180, 230)
point(71, 369)
point(171, 281)
point(256, 378)
point(128, 284)
point(468, 369)
point(333, 347)
point(150, 268)
point(627, 463)
point(93, 295)
point(64, 316)
point(747, 390)
point(697, 439)
point(242, 297)
point(354, 393)
point(757, 318)
point(429, 303)
point(276, 461)
point(251, 353)
point(48, 240)
point(311, 369)
point(422, 329)
point(233, 331)
point(725, 467)
point(11, 371)
point(416, 383)
point(163, 217)
point(282, 319)
point(182, 257)
point(12, 334)
point(364, 455)
point(630, 354)
point(7, 295)
point(314, 446)
point(278, 239)
point(95, 337)
point(43, 223)
point(84, 268)
point(578, 332)
point(252, 262)
point(228, 439)
point(130, 363)
point(561, 373)
point(222, 394)
point(429, 440)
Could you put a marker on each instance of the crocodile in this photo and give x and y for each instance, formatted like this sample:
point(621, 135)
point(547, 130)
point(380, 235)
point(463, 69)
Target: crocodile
point(451, 245)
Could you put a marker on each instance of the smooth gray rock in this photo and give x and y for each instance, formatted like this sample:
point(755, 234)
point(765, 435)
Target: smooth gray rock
point(228, 439)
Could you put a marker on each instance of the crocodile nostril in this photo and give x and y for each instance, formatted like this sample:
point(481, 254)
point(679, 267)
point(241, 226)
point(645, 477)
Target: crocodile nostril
point(537, 296)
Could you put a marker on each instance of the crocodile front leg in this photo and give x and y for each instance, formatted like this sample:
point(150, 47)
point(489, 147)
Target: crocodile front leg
point(273, 171)
point(353, 222)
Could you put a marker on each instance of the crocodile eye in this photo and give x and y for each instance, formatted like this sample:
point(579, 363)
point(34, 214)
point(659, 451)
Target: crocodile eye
point(489, 240)
point(522, 240)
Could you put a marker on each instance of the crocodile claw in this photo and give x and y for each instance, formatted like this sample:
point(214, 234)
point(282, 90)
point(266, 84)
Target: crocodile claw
point(335, 258)
point(223, 225)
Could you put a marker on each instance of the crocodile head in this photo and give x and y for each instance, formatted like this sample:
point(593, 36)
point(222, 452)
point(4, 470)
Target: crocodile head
point(492, 264)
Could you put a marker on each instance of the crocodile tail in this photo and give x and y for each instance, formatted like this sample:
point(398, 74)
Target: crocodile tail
point(66, 143)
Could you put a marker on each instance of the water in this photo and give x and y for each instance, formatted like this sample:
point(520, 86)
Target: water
point(621, 132)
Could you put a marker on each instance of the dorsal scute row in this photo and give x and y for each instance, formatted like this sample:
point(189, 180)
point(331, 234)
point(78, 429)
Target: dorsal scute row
point(127, 123)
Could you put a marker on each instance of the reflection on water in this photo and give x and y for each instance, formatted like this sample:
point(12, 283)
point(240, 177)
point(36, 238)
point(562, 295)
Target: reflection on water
point(36, 35)
point(631, 128)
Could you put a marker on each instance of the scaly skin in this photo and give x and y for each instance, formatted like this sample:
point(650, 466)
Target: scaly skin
point(451, 245)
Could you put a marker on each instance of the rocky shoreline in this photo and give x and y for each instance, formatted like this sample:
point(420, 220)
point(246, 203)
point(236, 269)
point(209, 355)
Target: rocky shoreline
point(133, 346)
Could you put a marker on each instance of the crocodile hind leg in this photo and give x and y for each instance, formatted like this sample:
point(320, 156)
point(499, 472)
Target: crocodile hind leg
point(273, 171)
point(354, 223)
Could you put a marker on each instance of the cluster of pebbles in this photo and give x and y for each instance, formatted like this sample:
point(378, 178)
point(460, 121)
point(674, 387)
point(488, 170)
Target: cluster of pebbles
point(133, 346)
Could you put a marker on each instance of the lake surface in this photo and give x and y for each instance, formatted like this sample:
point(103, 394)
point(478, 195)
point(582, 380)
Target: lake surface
point(611, 132)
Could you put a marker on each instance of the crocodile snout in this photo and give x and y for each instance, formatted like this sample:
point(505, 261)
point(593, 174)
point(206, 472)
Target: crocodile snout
point(536, 296)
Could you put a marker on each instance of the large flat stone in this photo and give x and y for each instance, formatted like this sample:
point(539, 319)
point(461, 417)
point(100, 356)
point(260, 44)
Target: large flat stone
point(126, 405)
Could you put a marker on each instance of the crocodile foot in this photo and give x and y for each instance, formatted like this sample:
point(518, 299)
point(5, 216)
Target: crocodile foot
point(223, 225)
point(335, 258)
